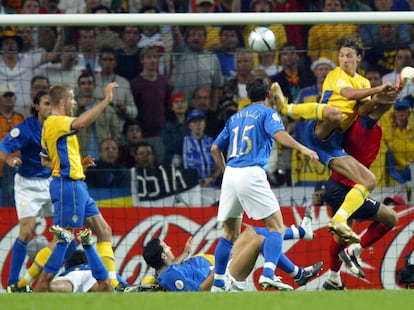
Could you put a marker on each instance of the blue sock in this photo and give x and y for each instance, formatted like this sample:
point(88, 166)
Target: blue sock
point(301, 232)
point(261, 231)
point(56, 258)
point(288, 232)
point(221, 259)
point(99, 271)
point(71, 248)
point(285, 264)
point(271, 250)
point(19, 252)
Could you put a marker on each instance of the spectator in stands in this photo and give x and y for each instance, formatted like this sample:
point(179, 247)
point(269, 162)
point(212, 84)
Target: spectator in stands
point(29, 45)
point(370, 33)
point(229, 41)
point(155, 36)
point(145, 158)
point(174, 130)
point(107, 124)
point(129, 64)
point(132, 135)
point(122, 100)
point(193, 66)
point(104, 36)
point(403, 57)
point(235, 88)
point(322, 38)
point(373, 76)
point(398, 137)
point(108, 173)
point(43, 37)
point(196, 150)
point(9, 118)
point(201, 100)
point(87, 56)
point(320, 68)
point(291, 79)
point(50, 7)
point(267, 62)
point(382, 54)
point(65, 71)
point(213, 31)
point(19, 68)
point(151, 93)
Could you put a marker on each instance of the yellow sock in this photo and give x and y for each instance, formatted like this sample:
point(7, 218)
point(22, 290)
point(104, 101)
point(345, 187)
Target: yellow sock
point(106, 253)
point(36, 268)
point(352, 202)
point(311, 110)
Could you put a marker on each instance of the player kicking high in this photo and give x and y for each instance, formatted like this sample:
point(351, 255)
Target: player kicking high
point(345, 93)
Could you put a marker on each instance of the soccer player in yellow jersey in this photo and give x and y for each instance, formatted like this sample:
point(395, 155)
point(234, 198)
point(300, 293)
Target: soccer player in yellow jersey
point(74, 208)
point(345, 94)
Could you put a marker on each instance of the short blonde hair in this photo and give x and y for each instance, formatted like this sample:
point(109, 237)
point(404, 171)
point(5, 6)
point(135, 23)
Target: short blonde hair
point(58, 92)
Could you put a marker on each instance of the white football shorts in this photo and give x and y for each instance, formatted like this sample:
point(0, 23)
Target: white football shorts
point(32, 197)
point(81, 280)
point(246, 189)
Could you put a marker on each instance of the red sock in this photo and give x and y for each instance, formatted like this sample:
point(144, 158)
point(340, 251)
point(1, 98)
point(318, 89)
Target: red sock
point(374, 232)
point(334, 250)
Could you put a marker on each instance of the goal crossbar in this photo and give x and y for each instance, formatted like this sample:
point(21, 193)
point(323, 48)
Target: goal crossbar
point(207, 19)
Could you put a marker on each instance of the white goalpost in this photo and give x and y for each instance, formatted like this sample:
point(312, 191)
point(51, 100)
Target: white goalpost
point(182, 19)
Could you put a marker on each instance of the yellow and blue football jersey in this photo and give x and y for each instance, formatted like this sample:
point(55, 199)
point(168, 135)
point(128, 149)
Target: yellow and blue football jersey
point(61, 145)
point(335, 82)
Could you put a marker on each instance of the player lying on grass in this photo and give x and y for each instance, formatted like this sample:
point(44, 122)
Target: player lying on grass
point(197, 272)
point(85, 271)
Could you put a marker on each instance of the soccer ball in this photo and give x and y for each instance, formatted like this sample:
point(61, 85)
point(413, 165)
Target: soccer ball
point(262, 40)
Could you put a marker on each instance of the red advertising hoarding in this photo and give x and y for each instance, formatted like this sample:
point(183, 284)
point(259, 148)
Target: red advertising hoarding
point(133, 227)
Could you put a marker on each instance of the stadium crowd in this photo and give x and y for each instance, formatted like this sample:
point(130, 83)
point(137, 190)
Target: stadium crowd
point(177, 86)
point(206, 66)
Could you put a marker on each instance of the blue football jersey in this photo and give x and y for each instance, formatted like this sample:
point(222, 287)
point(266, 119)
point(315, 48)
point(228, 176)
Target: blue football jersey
point(26, 138)
point(248, 134)
point(186, 276)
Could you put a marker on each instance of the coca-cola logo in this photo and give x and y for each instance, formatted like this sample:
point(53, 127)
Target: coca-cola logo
point(133, 227)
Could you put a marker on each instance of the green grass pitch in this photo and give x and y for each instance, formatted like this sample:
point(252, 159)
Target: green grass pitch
point(321, 300)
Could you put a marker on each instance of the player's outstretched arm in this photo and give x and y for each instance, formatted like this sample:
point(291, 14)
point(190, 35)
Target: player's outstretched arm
point(88, 117)
point(286, 140)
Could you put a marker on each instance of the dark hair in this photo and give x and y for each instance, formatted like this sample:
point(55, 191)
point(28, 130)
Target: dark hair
point(229, 28)
point(351, 41)
point(152, 253)
point(257, 88)
point(128, 123)
point(78, 257)
point(106, 49)
point(39, 77)
point(86, 74)
point(36, 100)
